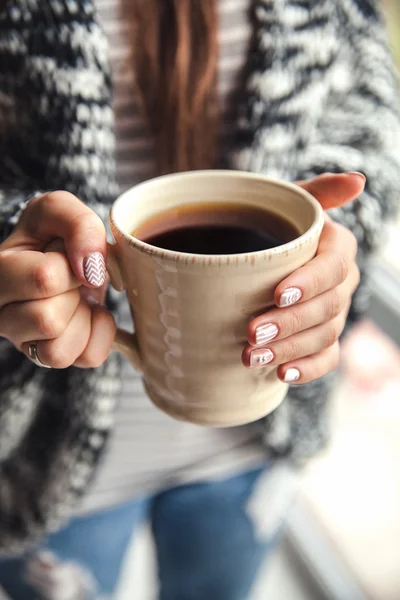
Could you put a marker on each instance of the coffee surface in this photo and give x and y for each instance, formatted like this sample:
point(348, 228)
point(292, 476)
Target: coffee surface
point(216, 228)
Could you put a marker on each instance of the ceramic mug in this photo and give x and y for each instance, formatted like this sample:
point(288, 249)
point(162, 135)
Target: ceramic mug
point(191, 311)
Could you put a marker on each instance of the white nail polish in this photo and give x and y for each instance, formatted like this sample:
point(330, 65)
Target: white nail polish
point(290, 296)
point(291, 375)
point(261, 357)
point(266, 333)
point(94, 269)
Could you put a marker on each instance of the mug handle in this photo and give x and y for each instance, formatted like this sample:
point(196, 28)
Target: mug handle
point(124, 342)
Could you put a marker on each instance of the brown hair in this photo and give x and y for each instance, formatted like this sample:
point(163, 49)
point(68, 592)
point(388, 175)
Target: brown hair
point(176, 53)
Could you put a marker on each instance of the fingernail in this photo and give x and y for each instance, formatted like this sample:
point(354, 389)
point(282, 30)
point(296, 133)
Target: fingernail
point(291, 375)
point(290, 296)
point(266, 333)
point(261, 357)
point(94, 269)
point(361, 175)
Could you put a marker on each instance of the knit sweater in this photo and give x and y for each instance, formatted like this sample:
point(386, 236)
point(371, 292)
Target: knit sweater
point(320, 95)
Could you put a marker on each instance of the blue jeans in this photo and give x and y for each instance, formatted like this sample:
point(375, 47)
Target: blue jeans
point(207, 544)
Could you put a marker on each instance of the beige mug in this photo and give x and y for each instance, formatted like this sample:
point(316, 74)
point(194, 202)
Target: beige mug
point(191, 311)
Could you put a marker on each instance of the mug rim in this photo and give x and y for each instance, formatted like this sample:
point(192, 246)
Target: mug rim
point(217, 259)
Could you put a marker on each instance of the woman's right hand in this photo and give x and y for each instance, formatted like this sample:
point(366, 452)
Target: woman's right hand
point(57, 247)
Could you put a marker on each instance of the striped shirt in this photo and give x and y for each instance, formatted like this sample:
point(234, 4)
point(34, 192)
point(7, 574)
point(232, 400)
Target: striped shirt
point(150, 451)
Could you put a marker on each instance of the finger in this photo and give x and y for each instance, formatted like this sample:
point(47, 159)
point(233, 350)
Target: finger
point(327, 270)
point(336, 237)
point(333, 190)
point(63, 351)
point(102, 336)
point(34, 275)
point(95, 296)
point(62, 215)
point(297, 346)
point(38, 319)
point(279, 324)
point(311, 367)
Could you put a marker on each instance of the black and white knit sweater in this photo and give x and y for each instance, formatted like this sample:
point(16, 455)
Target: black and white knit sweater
point(320, 95)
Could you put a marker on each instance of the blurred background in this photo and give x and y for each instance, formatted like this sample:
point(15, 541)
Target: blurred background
point(342, 534)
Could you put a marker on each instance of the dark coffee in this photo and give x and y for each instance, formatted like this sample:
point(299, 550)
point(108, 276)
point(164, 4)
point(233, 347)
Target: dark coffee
point(216, 229)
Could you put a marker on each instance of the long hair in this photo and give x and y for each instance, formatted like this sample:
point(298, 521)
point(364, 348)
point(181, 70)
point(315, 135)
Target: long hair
point(175, 61)
point(176, 56)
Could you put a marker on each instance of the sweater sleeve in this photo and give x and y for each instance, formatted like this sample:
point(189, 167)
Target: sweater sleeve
point(36, 404)
point(360, 126)
point(324, 103)
point(13, 423)
point(360, 131)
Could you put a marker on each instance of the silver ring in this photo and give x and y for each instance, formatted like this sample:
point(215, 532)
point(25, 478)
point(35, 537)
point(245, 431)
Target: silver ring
point(33, 355)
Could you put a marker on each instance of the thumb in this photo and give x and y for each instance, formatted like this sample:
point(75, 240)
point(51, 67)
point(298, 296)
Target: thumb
point(333, 190)
point(62, 215)
point(92, 296)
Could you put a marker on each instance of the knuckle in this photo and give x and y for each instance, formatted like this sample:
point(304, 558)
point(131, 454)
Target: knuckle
point(37, 208)
point(342, 322)
point(294, 321)
point(347, 239)
point(289, 352)
point(338, 326)
point(351, 241)
point(44, 204)
point(87, 221)
point(331, 334)
point(54, 199)
point(34, 204)
point(46, 280)
point(48, 324)
point(341, 266)
point(93, 358)
point(48, 203)
point(336, 356)
point(55, 357)
point(62, 361)
point(5, 259)
point(96, 354)
point(316, 282)
point(334, 304)
point(357, 276)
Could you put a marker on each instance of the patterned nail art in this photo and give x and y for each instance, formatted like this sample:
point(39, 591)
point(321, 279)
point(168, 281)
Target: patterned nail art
point(290, 296)
point(94, 269)
point(291, 375)
point(261, 357)
point(266, 333)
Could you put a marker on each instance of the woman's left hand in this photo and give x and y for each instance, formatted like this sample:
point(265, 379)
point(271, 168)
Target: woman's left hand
point(301, 334)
